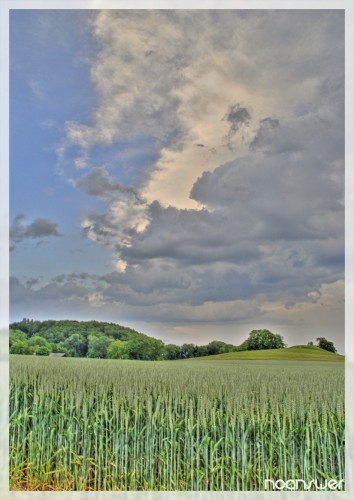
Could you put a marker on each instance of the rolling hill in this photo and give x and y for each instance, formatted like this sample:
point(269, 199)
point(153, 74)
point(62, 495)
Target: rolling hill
point(295, 353)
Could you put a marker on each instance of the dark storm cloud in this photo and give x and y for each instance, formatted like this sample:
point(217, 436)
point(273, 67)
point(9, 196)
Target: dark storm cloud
point(189, 237)
point(281, 200)
point(39, 228)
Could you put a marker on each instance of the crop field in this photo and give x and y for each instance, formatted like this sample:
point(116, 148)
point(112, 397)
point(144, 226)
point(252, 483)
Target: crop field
point(84, 424)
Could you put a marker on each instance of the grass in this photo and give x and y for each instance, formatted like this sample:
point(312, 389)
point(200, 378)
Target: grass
point(112, 425)
point(295, 353)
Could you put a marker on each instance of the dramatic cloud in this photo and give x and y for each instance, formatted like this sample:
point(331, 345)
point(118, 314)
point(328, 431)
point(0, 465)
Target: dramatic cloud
point(246, 195)
point(214, 156)
point(273, 221)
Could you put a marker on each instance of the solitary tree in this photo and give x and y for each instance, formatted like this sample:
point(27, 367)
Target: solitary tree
point(263, 339)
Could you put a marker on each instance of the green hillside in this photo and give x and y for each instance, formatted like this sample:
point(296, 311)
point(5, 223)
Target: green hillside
point(95, 339)
point(295, 353)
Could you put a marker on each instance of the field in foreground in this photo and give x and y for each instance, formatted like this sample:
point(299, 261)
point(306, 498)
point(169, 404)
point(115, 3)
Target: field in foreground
point(295, 353)
point(83, 424)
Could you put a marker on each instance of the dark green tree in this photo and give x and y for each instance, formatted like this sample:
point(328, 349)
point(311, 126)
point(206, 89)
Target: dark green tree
point(219, 347)
point(98, 346)
point(201, 350)
point(77, 345)
point(144, 348)
point(29, 326)
point(188, 350)
point(325, 344)
point(172, 351)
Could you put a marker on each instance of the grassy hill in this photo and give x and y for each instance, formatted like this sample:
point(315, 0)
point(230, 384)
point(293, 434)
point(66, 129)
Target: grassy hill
point(295, 353)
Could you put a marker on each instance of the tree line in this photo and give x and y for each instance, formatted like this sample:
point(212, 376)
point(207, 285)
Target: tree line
point(95, 339)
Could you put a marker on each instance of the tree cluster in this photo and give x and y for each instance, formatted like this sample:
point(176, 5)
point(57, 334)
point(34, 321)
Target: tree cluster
point(95, 339)
point(325, 344)
point(100, 340)
point(80, 339)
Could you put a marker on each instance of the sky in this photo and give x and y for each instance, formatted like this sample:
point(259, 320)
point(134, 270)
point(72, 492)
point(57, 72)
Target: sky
point(179, 171)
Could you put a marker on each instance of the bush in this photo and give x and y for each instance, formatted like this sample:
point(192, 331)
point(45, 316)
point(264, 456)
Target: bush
point(42, 351)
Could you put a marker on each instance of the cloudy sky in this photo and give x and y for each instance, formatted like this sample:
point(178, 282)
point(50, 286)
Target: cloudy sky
point(179, 171)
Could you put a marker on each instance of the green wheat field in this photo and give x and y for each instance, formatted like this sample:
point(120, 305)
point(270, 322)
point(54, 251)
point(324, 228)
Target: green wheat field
point(84, 424)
